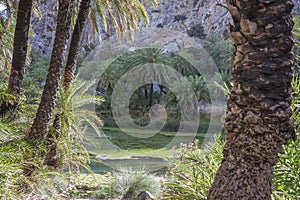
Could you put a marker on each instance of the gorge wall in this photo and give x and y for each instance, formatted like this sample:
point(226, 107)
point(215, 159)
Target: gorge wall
point(195, 17)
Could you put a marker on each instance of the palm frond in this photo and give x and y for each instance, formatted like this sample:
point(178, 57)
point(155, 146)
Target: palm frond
point(124, 16)
point(76, 107)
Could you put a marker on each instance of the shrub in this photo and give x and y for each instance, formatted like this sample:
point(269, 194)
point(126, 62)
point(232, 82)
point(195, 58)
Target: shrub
point(18, 158)
point(180, 17)
point(130, 182)
point(192, 171)
point(11, 177)
point(93, 186)
point(22, 170)
point(38, 70)
point(197, 31)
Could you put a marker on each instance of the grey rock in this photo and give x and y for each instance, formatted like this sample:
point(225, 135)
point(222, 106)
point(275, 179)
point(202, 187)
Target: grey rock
point(144, 195)
point(179, 15)
point(44, 28)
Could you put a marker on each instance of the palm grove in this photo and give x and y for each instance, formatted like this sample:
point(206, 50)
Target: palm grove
point(258, 120)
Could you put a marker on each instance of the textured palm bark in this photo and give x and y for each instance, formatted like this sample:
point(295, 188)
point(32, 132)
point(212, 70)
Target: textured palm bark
point(47, 104)
point(52, 157)
point(19, 54)
point(258, 120)
point(75, 42)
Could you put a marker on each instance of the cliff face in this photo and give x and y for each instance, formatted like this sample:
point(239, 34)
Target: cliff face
point(195, 17)
point(185, 14)
point(44, 28)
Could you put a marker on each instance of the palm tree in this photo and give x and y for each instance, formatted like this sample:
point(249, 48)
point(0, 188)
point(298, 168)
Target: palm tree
point(258, 120)
point(109, 79)
point(47, 104)
point(198, 85)
point(183, 66)
point(124, 16)
point(72, 114)
point(19, 54)
point(75, 42)
point(132, 11)
point(152, 57)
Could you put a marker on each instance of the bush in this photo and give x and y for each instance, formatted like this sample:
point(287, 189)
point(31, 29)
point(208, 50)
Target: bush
point(18, 159)
point(93, 186)
point(197, 31)
point(130, 182)
point(180, 17)
point(38, 70)
point(192, 171)
point(11, 177)
point(287, 173)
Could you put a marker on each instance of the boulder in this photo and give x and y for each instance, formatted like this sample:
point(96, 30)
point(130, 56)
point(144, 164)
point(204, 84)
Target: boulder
point(144, 195)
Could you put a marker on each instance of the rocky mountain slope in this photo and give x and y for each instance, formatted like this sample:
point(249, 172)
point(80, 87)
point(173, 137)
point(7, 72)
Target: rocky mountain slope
point(195, 17)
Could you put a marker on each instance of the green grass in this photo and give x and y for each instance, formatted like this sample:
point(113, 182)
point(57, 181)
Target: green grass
point(117, 143)
point(125, 141)
point(117, 148)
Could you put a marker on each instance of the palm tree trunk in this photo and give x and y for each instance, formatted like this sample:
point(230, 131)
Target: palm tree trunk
point(151, 95)
point(47, 104)
point(258, 120)
point(52, 158)
point(146, 92)
point(161, 91)
point(75, 42)
point(19, 54)
point(140, 98)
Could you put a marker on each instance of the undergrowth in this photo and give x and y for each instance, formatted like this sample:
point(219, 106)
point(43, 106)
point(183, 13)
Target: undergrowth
point(192, 171)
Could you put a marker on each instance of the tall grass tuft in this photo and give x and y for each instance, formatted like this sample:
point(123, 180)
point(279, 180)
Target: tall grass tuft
point(129, 182)
point(192, 171)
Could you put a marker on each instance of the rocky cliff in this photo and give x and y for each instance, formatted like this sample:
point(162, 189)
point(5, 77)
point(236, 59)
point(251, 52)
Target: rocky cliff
point(194, 17)
point(44, 28)
point(185, 14)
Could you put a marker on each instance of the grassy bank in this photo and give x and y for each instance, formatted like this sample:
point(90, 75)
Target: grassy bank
point(115, 147)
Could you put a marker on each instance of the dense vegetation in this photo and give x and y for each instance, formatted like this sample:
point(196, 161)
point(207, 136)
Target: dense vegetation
point(62, 161)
